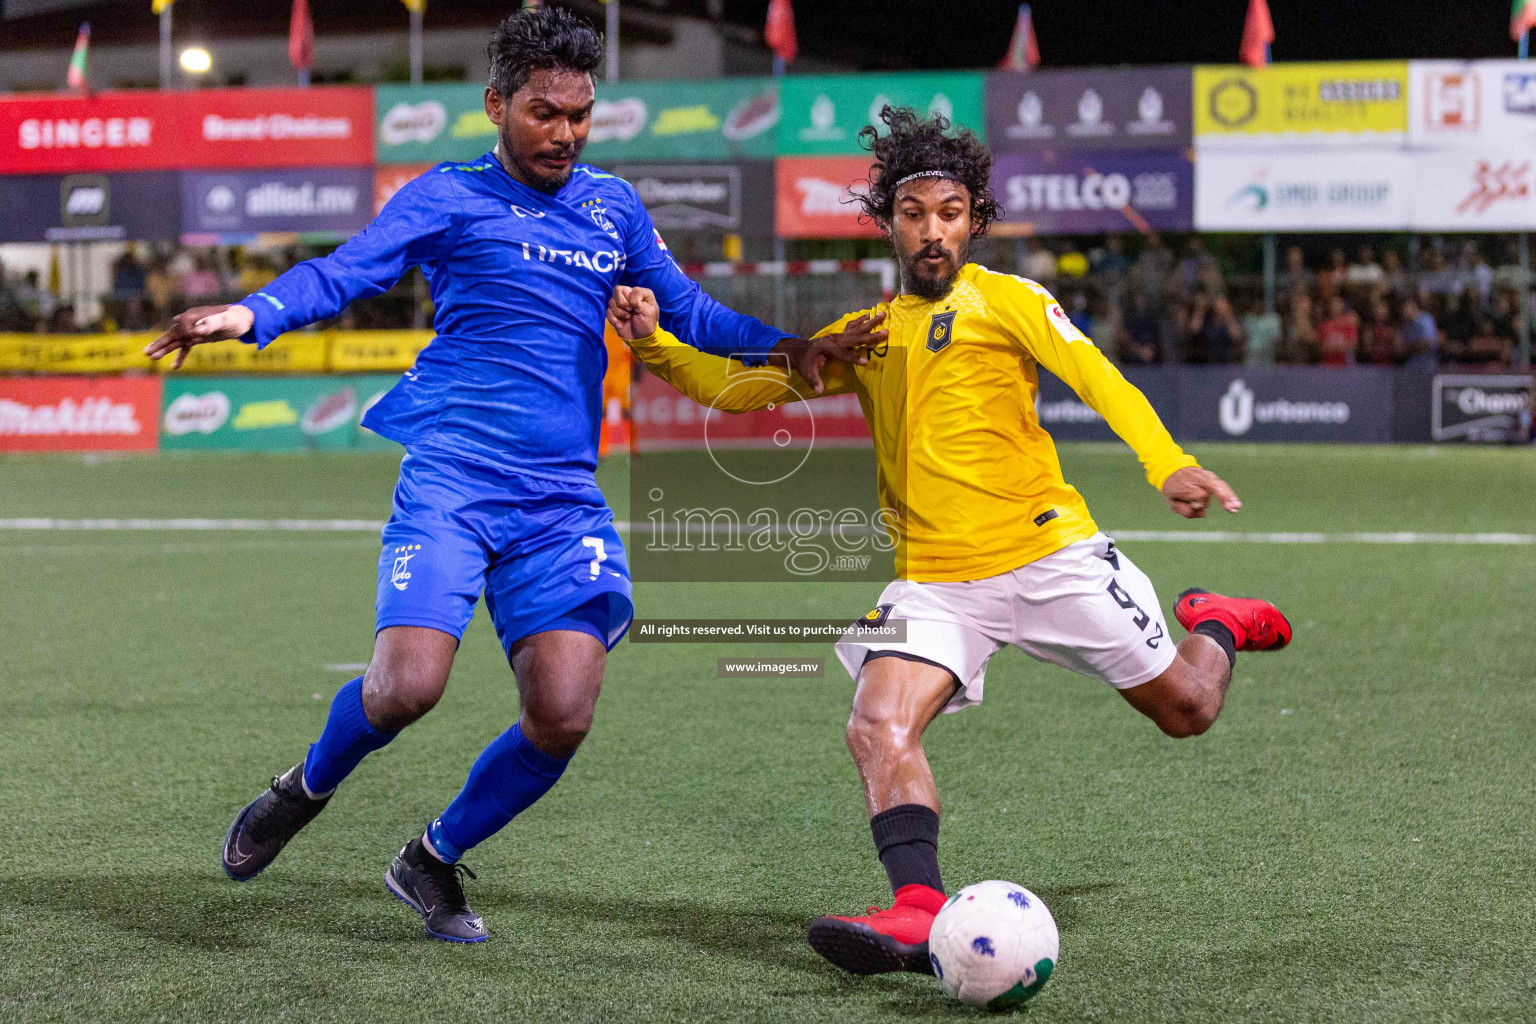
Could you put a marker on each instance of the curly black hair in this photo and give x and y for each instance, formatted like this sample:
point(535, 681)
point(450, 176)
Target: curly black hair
point(540, 37)
point(916, 144)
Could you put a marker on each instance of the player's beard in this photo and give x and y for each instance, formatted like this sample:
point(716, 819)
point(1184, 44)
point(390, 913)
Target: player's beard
point(918, 280)
point(542, 182)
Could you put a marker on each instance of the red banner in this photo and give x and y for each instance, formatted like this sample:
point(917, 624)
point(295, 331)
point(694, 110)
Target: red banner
point(663, 418)
point(147, 131)
point(82, 414)
point(390, 178)
point(813, 197)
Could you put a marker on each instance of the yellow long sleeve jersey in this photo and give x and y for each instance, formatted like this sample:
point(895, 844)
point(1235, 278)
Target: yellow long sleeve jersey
point(972, 479)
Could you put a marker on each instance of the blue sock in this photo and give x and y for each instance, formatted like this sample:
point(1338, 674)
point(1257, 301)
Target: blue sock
point(509, 776)
point(347, 739)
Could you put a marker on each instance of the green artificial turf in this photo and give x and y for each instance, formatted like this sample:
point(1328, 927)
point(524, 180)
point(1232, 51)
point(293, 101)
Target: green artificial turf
point(1352, 841)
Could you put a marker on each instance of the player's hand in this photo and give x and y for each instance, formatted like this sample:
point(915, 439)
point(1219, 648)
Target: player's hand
point(633, 312)
point(1189, 490)
point(807, 356)
point(198, 325)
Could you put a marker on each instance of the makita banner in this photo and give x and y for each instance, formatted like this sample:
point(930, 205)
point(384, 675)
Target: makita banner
point(81, 414)
point(1082, 192)
point(126, 206)
point(129, 131)
point(1121, 108)
point(331, 199)
point(1285, 404)
point(736, 198)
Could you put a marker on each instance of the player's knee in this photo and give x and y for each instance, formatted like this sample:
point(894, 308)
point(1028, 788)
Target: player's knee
point(394, 699)
point(558, 731)
point(1187, 716)
point(873, 736)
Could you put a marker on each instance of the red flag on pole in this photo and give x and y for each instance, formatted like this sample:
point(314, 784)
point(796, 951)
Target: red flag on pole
point(76, 77)
point(1258, 33)
point(780, 32)
point(1023, 52)
point(301, 37)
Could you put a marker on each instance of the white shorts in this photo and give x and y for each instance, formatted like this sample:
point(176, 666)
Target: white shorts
point(1086, 607)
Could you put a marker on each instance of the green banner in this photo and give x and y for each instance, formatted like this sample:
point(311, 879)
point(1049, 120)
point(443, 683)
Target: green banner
point(272, 413)
point(823, 115)
point(722, 119)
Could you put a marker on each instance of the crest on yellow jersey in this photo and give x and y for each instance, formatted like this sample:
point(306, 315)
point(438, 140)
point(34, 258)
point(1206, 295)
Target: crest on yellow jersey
point(940, 330)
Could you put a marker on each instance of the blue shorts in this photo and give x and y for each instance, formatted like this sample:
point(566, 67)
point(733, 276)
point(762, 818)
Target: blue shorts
point(543, 552)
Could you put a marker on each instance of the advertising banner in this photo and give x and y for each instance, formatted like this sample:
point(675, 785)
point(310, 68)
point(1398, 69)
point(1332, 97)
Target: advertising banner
point(1482, 105)
point(1130, 108)
point(1067, 418)
point(75, 353)
point(813, 199)
point(1482, 407)
point(1344, 100)
point(390, 178)
point(271, 413)
point(824, 114)
point(294, 352)
point(1084, 192)
point(1298, 190)
point(1472, 190)
point(132, 131)
point(80, 414)
point(140, 206)
point(706, 197)
point(720, 119)
point(245, 128)
point(331, 199)
point(376, 351)
point(110, 131)
point(665, 419)
point(1285, 404)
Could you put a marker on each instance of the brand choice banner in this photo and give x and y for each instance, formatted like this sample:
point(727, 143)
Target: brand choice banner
point(813, 199)
point(1085, 192)
point(706, 197)
point(163, 131)
point(271, 414)
point(720, 119)
point(1112, 109)
point(1346, 98)
point(83, 414)
point(1285, 404)
point(1481, 407)
point(135, 205)
point(333, 199)
point(1259, 190)
point(825, 114)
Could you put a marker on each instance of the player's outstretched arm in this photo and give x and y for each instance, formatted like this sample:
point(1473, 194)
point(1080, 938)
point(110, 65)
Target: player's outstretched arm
point(712, 380)
point(198, 325)
point(809, 356)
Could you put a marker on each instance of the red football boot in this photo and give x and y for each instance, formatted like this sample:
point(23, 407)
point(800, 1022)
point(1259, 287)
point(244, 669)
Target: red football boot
point(883, 940)
point(1256, 625)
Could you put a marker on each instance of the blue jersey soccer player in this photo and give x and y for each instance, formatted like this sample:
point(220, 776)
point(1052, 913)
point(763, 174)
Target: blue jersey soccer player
point(500, 419)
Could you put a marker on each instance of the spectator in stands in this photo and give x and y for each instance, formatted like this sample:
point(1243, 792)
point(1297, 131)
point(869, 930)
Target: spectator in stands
point(1110, 266)
point(1330, 280)
point(1508, 275)
point(1261, 334)
point(201, 281)
point(1141, 333)
point(1040, 263)
point(1338, 334)
point(127, 273)
point(1380, 344)
point(1104, 319)
point(160, 291)
point(1300, 332)
point(1214, 334)
point(1438, 277)
point(1420, 336)
point(1365, 274)
point(1486, 345)
point(1295, 278)
point(1459, 324)
point(1198, 269)
point(1392, 274)
point(1150, 272)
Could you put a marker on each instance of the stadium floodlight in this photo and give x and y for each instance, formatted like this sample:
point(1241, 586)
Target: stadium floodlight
point(195, 60)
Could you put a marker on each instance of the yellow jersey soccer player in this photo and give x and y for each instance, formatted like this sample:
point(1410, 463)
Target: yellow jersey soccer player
point(993, 547)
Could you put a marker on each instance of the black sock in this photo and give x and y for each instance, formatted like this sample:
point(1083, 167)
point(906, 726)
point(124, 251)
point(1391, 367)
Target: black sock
point(1222, 635)
point(907, 838)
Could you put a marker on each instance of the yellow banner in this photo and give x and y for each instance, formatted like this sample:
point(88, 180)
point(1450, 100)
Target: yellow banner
point(296, 352)
point(1347, 97)
point(74, 353)
point(358, 351)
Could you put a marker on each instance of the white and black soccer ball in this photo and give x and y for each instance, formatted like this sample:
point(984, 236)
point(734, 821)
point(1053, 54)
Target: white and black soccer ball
point(993, 945)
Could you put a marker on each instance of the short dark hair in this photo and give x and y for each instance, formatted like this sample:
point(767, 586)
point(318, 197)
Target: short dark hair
point(540, 37)
point(914, 145)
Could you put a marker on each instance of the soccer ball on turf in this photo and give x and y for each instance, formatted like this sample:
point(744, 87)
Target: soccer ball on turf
point(993, 945)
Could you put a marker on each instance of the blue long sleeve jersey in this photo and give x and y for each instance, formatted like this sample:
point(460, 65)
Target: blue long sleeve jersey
point(520, 280)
